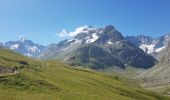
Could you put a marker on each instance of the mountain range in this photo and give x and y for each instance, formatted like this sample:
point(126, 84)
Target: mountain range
point(97, 47)
point(150, 45)
point(145, 59)
point(25, 47)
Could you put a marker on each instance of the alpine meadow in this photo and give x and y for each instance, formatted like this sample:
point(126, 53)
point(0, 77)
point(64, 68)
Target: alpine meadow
point(84, 50)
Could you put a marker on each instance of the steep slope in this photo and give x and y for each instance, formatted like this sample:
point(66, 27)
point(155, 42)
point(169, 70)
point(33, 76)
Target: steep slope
point(56, 81)
point(99, 48)
point(25, 47)
point(158, 77)
point(164, 56)
point(94, 56)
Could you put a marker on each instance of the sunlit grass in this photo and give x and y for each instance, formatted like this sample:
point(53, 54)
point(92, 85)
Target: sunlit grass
point(53, 80)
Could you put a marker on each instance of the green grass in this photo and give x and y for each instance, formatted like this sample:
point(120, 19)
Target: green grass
point(56, 81)
point(11, 59)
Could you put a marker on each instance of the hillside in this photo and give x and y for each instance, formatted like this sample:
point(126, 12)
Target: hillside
point(13, 60)
point(158, 77)
point(56, 81)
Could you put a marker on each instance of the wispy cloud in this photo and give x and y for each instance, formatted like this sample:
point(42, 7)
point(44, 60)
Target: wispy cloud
point(21, 36)
point(65, 33)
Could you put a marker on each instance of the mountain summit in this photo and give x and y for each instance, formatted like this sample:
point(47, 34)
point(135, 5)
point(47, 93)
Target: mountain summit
point(25, 47)
point(99, 48)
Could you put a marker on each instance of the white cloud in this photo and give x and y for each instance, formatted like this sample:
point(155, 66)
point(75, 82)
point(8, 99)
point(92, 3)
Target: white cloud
point(78, 30)
point(63, 33)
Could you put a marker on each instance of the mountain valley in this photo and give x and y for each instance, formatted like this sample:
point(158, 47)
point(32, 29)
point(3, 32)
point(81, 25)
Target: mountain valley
point(82, 67)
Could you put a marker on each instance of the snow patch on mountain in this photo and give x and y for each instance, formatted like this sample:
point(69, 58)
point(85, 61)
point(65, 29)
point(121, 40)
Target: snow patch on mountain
point(151, 48)
point(148, 48)
point(110, 42)
point(14, 46)
point(92, 39)
point(33, 49)
point(70, 43)
point(160, 49)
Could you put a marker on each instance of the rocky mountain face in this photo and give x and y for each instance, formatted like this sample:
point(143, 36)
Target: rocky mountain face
point(159, 75)
point(164, 55)
point(150, 45)
point(25, 47)
point(99, 48)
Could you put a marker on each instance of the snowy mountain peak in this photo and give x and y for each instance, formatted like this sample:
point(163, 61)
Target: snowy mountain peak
point(90, 34)
point(109, 27)
point(87, 35)
point(109, 34)
point(26, 47)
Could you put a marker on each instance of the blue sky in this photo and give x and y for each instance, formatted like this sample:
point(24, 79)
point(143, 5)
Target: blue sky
point(41, 20)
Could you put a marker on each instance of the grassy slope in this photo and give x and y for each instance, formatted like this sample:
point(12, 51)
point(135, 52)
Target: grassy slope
point(56, 81)
point(157, 79)
point(11, 59)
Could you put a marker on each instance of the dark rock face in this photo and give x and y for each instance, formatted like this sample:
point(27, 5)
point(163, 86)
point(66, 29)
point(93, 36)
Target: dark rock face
point(109, 33)
point(130, 55)
point(95, 57)
point(23, 63)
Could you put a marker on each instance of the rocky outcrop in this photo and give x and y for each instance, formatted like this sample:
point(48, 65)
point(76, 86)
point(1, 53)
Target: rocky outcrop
point(4, 69)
